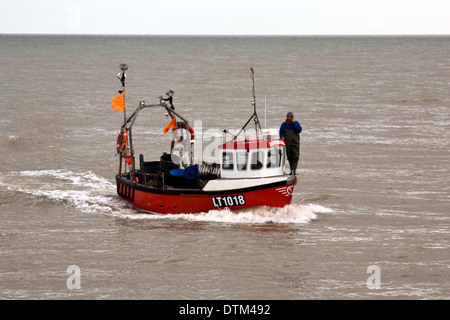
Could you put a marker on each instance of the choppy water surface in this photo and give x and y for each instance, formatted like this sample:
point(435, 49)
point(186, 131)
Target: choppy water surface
point(373, 176)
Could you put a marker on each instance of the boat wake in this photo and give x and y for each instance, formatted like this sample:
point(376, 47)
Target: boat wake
point(83, 191)
point(292, 213)
point(86, 192)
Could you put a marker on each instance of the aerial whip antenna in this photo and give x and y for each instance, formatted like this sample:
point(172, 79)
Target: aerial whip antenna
point(254, 115)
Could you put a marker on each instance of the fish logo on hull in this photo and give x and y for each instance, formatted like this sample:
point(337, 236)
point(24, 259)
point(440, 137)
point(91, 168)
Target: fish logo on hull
point(287, 190)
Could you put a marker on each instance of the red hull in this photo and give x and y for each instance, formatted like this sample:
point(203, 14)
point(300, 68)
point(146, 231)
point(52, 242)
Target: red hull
point(177, 201)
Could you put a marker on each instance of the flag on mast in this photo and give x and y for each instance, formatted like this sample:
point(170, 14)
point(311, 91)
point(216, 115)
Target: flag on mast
point(172, 125)
point(118, 103)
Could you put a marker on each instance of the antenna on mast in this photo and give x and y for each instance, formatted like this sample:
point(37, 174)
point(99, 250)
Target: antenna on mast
point(122, 76)
point(254, 115)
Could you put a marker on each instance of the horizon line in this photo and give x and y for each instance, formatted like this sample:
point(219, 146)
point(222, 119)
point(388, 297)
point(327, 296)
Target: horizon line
point(231, 35)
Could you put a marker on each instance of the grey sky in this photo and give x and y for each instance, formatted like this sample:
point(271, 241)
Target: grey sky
point(233, 17)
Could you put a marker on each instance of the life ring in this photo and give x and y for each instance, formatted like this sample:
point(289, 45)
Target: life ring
point(182, 125)
point(121, 144)
point(192, 134)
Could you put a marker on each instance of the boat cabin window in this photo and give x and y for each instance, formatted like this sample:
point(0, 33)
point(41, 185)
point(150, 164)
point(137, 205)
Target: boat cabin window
point(227, 162)
point(274, 157)
point(257, 159)
point(241, 160)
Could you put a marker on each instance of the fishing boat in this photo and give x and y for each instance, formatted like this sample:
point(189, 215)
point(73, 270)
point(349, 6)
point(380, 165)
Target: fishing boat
point(250, 172)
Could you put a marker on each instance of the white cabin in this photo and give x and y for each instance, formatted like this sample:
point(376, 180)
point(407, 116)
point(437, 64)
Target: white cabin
point(252, 159)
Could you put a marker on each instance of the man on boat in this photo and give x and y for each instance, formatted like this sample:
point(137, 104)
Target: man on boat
point(290, 133)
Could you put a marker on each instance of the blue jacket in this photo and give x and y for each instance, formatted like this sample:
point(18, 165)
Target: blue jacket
point(295, 125)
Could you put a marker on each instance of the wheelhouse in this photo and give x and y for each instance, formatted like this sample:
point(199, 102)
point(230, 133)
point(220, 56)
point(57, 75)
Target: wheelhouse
point(252, 158)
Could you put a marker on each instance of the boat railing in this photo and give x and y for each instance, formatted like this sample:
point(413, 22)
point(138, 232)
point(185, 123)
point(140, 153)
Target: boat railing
point(208, 169)
point(157, 174)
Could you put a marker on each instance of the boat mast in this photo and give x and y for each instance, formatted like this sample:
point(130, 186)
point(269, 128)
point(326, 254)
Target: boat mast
point(254, 115)
point(122, 76)
point(257, 124)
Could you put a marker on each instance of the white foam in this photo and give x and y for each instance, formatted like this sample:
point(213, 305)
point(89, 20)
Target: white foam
point(85, 179)
point(85, 191)
point(290, 214)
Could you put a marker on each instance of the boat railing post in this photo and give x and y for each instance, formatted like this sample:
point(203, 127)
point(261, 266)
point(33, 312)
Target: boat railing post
point(132, 171)
point(120, 165)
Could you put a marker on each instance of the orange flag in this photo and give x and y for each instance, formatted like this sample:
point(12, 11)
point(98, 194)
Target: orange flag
point(172, 125)
point(118, 103)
